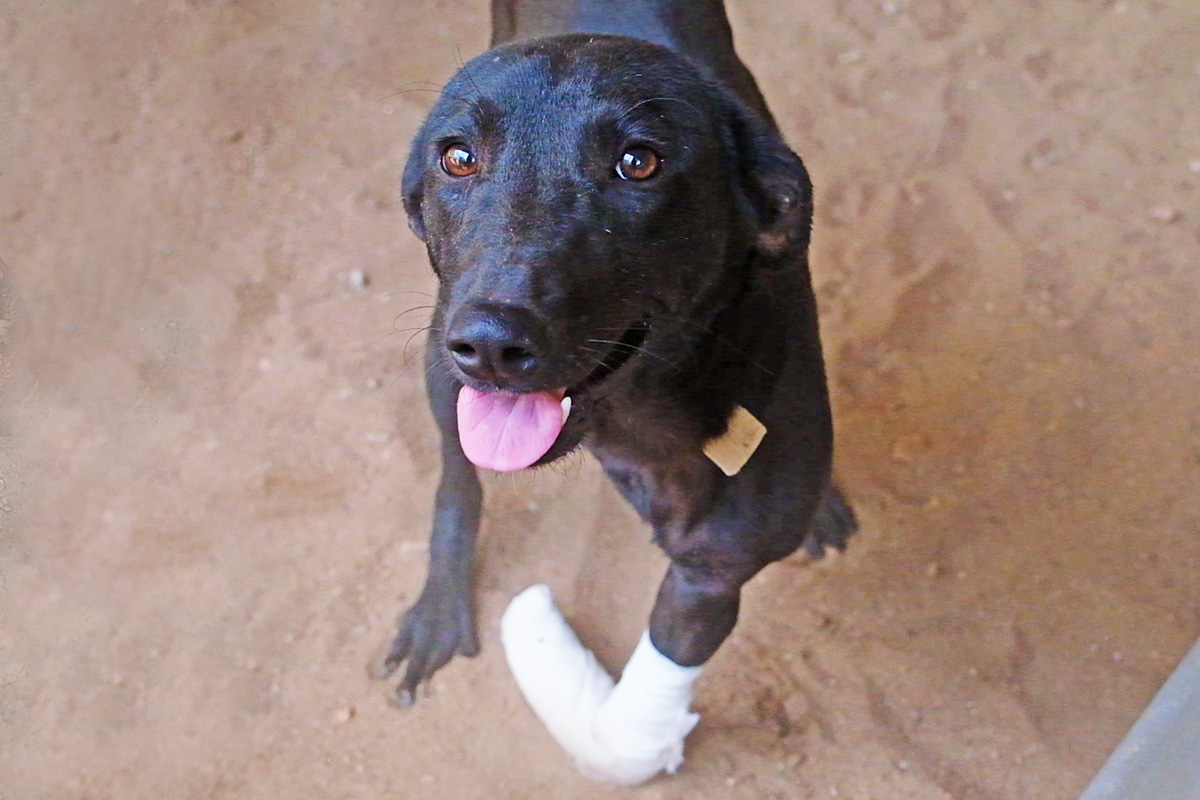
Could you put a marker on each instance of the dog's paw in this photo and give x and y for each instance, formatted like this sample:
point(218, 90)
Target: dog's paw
point(623, 734)
point(832, 526)
point(440, 625)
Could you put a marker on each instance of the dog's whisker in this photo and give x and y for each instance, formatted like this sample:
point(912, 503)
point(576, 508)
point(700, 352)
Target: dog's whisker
point(594, 361)
point(596, 355)
point(411, 291)
point(634, 348)
point(462, 65)
point(438, 370)
point(414, 330)
point(441, 93)
point(404, 352)
point(417, 328)
point(436, 88)
point(409, 311)
point(641, 103)
point(434, 84)
point(706, 330)
point(390, 333)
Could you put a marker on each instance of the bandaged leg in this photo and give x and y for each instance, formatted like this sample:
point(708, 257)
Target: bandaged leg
point(621, 734)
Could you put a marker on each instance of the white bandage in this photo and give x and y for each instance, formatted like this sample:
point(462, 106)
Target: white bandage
point(623, 734)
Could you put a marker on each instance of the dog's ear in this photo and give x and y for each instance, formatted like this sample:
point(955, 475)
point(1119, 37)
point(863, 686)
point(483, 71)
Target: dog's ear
point(772, 182)
point(412, 188)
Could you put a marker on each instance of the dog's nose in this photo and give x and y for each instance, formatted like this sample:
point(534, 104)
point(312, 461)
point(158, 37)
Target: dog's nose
point(496, 343)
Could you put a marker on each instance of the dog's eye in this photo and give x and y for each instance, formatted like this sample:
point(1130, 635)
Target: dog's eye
point(638, 164)
point(458, 160)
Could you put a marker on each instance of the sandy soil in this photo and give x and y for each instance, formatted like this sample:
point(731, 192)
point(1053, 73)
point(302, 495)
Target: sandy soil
point(217, 464)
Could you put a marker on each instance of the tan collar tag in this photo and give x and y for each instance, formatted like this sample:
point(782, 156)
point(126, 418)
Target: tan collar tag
point(731, 450)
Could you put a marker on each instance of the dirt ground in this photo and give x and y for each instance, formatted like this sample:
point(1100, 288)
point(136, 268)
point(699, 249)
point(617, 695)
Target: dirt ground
point(217, 464)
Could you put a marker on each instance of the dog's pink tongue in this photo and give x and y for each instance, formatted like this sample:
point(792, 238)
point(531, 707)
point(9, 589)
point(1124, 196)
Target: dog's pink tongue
point(507, 432)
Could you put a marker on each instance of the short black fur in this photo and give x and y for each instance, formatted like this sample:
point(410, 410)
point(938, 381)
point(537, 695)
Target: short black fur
point(691, 291)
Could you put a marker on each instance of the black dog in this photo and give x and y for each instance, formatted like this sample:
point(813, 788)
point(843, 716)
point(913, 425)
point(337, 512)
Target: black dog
point(620, 232)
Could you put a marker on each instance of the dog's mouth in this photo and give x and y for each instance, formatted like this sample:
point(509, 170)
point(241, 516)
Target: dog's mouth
point(621, 351)
point(507, 431)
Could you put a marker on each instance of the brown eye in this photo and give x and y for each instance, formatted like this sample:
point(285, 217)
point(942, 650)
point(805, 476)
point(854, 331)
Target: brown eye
point(459, 161)
point(638, 164)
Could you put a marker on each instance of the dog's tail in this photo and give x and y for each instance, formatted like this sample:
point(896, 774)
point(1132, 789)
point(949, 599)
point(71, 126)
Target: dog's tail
point(832, 526)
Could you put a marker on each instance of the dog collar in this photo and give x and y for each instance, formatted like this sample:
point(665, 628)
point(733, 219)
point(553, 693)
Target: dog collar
point(731, 450)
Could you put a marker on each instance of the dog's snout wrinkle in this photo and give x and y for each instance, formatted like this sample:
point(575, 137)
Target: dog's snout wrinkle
point(497, 343)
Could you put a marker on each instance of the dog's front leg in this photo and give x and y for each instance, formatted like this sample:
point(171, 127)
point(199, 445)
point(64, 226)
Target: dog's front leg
point(442, 621)
point(628, 731)
point(696, 609)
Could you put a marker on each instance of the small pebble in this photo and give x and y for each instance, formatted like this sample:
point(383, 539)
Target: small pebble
point(1165, 213)
point(933, 570)
point(358, 279)
point(344, 714)
point(901, 453)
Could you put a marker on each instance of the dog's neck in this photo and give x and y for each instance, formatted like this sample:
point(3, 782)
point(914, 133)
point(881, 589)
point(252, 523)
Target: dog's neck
point(742, 349)
point(696, 29)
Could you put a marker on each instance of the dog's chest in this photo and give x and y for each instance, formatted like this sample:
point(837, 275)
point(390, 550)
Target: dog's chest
point(656, 460)
point(672, 496)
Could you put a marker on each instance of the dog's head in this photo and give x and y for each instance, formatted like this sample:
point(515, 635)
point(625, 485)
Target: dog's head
point(581, 196)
